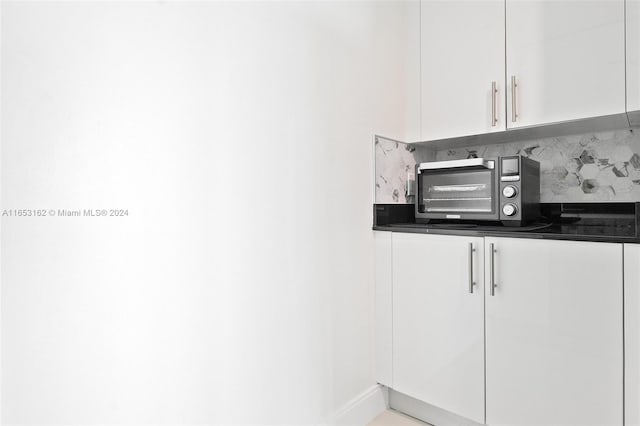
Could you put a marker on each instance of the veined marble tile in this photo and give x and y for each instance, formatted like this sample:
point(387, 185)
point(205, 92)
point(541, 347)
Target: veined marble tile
point(590, 167)
point(394, 162)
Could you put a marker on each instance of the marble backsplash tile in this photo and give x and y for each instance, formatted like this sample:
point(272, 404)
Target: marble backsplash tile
point(579, 168)
point(394, 161)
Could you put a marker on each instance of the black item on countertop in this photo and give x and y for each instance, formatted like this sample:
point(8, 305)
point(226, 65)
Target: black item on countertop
point(607, 222)
point(502, 189)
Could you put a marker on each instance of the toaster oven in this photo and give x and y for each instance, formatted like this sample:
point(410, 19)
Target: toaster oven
point(503, 189)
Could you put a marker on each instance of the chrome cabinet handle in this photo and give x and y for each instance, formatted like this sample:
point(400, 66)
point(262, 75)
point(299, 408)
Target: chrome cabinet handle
point(471, 282)
point(494, 94)
point(492, 284)
point(514, 91)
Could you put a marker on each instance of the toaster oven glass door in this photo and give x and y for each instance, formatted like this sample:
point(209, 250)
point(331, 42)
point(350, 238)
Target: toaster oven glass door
point(465, 192)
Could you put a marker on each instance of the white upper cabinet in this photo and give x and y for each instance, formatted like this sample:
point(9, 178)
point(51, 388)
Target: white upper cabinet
point(438, 321)
point(549, 61)
point(462, 56)
point(554, 333)
point(633, 55)
point(567, 59)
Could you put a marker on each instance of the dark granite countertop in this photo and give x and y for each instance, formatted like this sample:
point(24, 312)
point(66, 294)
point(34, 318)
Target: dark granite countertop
point(599, 222)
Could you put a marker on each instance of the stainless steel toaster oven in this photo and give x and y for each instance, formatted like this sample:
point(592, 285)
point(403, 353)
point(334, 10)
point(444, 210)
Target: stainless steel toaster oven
point(505, 189)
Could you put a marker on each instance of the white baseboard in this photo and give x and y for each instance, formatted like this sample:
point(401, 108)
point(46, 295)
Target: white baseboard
point(426, 412)
point(362, 409)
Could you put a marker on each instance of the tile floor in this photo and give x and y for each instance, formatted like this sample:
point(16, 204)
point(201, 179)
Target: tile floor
point(395, 418)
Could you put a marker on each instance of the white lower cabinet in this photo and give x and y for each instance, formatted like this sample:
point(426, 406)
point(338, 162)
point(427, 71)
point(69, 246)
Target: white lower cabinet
point(632, 334)
point(383, 299)
point(543, 346)
point(438, 326)
point(554, 327)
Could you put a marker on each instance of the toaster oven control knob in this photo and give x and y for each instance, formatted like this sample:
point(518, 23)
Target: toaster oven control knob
point(509, 209)
point(509, 191)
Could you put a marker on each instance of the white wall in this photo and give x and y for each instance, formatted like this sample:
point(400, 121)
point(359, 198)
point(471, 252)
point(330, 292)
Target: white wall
point(238, 136)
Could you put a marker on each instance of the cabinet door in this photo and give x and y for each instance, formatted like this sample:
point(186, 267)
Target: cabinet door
point(554, 333)
point(633, 56)
point(438, 327)
point(567, 58)
point(462, 53)
point(383, 307)
point(632, 334)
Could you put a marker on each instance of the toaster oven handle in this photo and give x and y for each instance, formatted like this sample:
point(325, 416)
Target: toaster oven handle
point(454, 164)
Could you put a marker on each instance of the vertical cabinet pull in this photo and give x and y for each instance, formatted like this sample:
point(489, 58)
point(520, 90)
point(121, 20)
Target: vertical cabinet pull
point(471, 282)
point(494, 94)
point(492, 265)
point(514, 103)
